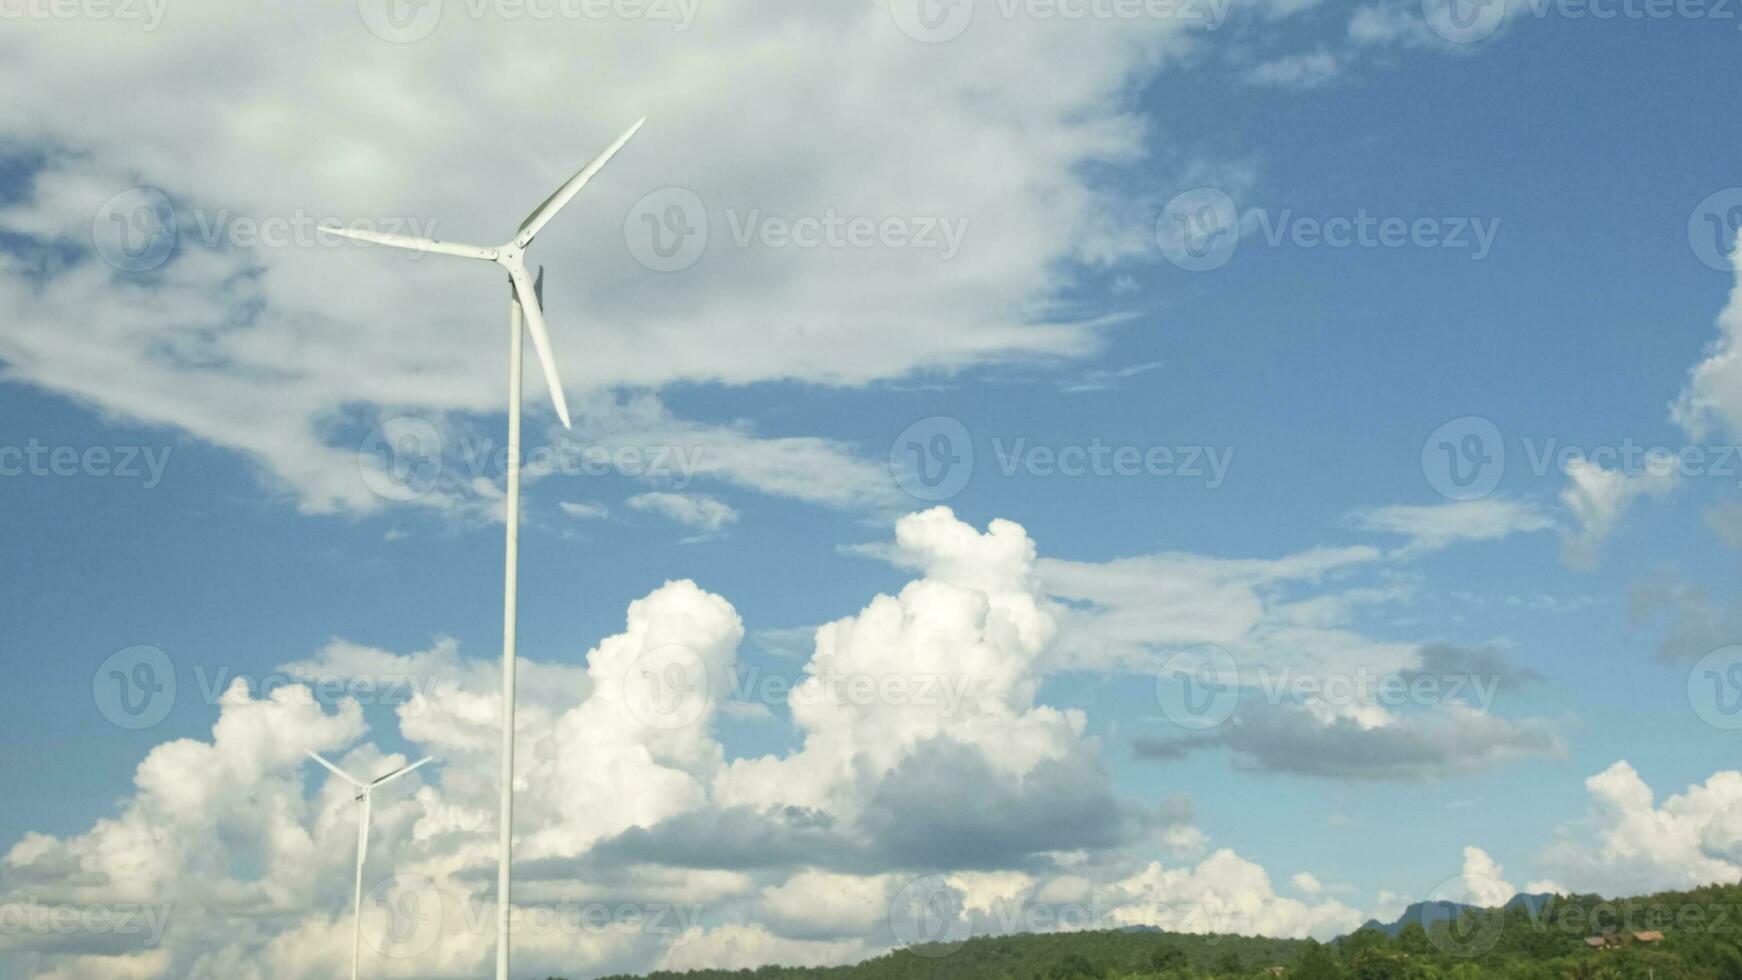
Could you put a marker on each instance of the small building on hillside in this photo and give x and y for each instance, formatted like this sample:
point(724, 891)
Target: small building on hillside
point(1613, 940)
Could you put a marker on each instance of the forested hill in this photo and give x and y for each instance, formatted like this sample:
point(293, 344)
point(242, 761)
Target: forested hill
point(1036, 955)
point(1691, 935)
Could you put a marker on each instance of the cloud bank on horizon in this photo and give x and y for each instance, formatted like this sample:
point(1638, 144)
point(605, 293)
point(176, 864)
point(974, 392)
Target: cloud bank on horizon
point(993, 800)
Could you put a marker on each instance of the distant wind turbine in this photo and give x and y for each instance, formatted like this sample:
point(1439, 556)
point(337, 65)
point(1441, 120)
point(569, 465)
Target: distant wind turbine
point(525, 305)
point(364, 792)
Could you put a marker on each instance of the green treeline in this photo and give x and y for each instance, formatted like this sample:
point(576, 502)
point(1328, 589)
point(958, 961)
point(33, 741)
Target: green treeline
point(1701, 939)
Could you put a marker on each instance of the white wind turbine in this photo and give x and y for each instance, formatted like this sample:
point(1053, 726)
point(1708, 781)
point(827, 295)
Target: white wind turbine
point(524, 306)
point(365, 791)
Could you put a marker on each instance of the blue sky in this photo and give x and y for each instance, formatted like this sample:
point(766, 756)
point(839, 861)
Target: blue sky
point(1586, 146)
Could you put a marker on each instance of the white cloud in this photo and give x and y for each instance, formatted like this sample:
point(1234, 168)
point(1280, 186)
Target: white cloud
point(1631, 845)
point(1598, 499)
point(585, 510)
point(825, 905)
point(1225, 893)
point(280, 351)
point(740, 947)
point(1712, 399)
point(1134, 612)
point(697, 511)
point(1484, 877)
point(819, 471)
point(1430, 528)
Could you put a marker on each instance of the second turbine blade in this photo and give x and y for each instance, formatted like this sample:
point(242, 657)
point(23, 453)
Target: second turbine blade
point(527, 293)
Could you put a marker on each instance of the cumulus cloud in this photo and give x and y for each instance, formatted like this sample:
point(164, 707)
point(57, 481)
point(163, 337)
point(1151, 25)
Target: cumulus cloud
point(1712, 398)
point(1711, 401)
point(1228, 894)
point(1487, 877)
point(876, 765)
point(1630, 844)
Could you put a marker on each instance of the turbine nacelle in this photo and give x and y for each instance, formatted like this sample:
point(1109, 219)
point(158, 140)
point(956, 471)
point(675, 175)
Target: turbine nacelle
point(512, 257)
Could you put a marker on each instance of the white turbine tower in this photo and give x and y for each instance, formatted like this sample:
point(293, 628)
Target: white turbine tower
point(524, 306)
point(365, 792)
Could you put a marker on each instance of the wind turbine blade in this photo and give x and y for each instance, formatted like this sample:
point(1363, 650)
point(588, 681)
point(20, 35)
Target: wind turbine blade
point(527, 292)
point(542, 214)
point(415, 244)
point(342, 774)
point(395, 774)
